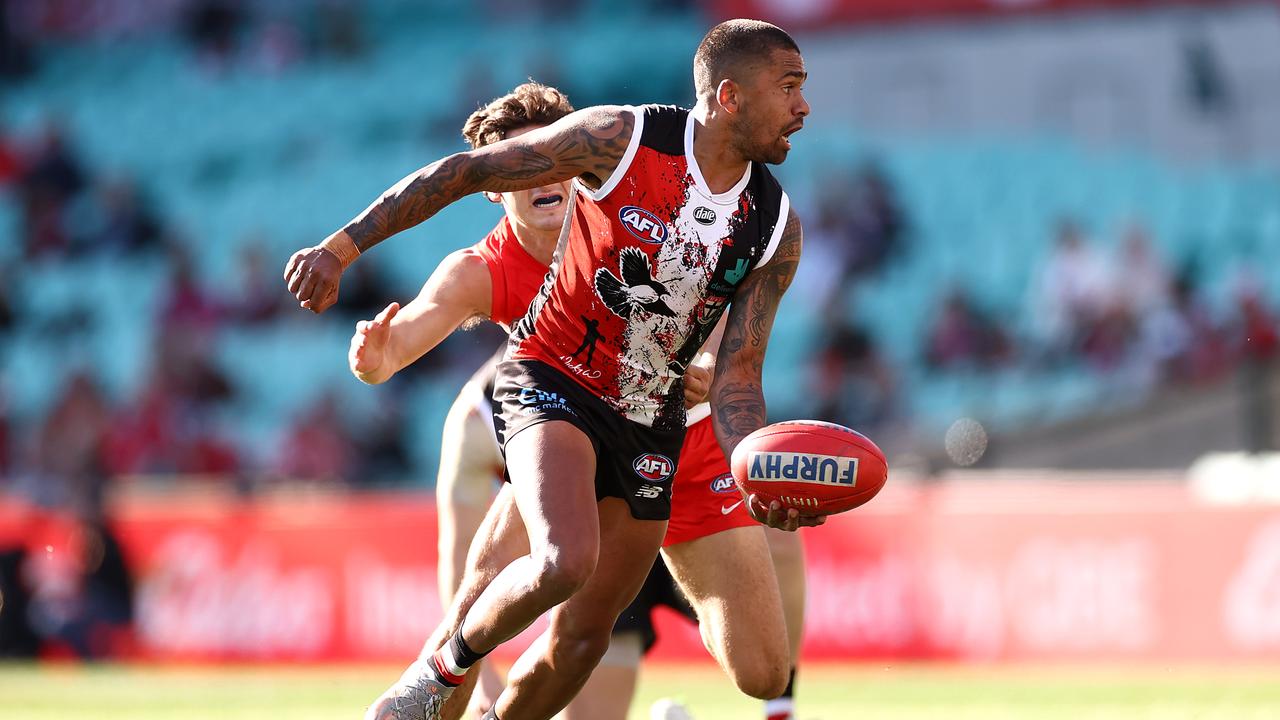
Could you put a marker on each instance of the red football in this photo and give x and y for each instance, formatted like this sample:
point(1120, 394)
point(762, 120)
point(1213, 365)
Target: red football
point(815, 467)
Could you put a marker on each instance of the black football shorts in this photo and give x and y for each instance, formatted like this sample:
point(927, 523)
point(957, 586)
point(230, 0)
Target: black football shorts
point(633, 462)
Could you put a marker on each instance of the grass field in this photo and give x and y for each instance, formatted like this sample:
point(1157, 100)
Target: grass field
point(831, 692)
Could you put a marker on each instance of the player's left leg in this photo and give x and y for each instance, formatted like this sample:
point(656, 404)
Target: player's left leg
point(735, 593)
point(547, 676)
point(787, 549)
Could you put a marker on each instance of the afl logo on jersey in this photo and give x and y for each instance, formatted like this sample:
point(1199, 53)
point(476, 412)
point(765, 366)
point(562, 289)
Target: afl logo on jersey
point(704, 215)
point(644, 225)
point(653, 467)
point(723, 484)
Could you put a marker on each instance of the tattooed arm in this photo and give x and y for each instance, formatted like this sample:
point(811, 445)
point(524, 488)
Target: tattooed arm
point(737, 398)
point(587, 144)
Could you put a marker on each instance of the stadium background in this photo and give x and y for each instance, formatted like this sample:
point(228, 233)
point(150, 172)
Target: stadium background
point(1042, 270)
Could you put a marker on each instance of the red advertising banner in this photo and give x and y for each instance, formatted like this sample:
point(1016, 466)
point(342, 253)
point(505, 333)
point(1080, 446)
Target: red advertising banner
point(973, 570)
point(823, 14)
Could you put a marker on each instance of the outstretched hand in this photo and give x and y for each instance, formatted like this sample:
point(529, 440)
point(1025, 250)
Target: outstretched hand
point(313, 275)
point(369, 343)
point(775, 515)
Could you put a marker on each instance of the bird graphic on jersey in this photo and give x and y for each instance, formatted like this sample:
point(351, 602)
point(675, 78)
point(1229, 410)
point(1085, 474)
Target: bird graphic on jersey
point(637, 290)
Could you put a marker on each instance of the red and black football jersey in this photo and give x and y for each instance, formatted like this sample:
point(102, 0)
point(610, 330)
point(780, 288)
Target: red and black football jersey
point(516, 276)
point(645, 267)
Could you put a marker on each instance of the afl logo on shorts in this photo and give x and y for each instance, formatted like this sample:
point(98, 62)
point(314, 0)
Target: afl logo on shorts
point(724, 484)
point(653, 467)
point(644, 225)
point(704, 215)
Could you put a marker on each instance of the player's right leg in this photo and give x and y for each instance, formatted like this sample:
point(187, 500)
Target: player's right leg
point(787, 550)
point(608, 692)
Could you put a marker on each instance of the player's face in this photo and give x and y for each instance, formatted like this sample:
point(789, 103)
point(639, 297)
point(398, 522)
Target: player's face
point(541, 208)
point(772, 107)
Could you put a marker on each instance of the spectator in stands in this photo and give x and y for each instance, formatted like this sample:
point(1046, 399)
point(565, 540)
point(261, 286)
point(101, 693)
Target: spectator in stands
point(319, 447)
point(340, 30)
point(383, 453)
point(850, 381)
point(54, 166)
point(875, 221)
point(1203, 356)
point(70, 446)
point(214, 29)
point(17, 638)
point(964, 337)
point(96, 621)
point(114, 219)
point(1141, 281)
point(10, 157)
point(1255, 329)
point(189, 309)
point(8, 320)
point(367, 294)
point(257, 300)
point(1071, 293)
point(17, 59)
point(53, 178)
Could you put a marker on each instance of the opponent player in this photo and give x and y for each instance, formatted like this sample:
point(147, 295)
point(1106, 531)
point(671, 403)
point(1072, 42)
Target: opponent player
point(589, 449)
point(497, 279)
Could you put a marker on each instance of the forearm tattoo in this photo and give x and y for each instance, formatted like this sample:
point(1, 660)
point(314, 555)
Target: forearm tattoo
point(736, 393)
point(590, 144)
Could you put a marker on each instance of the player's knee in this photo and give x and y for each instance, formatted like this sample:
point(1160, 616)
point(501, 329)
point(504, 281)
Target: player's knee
point(580, 648)
point(763, 677)
point(563, 571)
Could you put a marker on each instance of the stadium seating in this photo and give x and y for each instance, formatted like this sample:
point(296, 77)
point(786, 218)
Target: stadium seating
point(293, 154)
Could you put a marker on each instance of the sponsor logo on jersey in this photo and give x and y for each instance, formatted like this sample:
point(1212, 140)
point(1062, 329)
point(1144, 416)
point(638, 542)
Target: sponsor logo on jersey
point(535, 400)
point(644, 225)
point(704, 215)
point(803, 467)
point(726, 509)
point(648, 492)
point(736, 274)
point(724, 484)
point(653, 467)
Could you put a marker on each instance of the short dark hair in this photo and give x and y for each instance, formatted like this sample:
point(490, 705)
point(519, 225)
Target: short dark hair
point(529, 104)
point(731, 46)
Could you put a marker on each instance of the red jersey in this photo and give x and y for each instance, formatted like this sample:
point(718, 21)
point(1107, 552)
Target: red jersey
point(515, 274)
point(647, 265)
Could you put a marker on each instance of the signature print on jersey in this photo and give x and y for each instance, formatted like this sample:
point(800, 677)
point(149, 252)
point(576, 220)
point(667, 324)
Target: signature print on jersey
point(637, 290)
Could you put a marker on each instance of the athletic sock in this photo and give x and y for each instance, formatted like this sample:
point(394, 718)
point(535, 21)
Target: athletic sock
point(451, 662)
point(491, 715)
point(782, 707)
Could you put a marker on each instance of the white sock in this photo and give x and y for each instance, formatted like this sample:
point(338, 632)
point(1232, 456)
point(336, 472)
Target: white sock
point(783, 706)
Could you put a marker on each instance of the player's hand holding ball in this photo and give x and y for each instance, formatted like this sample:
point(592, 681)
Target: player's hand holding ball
point(368, 352)
point(796, 473)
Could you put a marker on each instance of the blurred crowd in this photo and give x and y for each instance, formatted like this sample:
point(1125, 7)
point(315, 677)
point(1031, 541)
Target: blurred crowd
point(1130, 311)
point(69, 213)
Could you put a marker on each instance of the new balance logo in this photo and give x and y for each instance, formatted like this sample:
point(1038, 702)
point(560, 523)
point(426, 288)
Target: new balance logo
point(648, 492)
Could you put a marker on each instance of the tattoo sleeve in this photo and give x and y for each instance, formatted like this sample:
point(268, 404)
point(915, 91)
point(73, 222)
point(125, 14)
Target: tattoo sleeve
point(589, 144)
point(737, 398)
